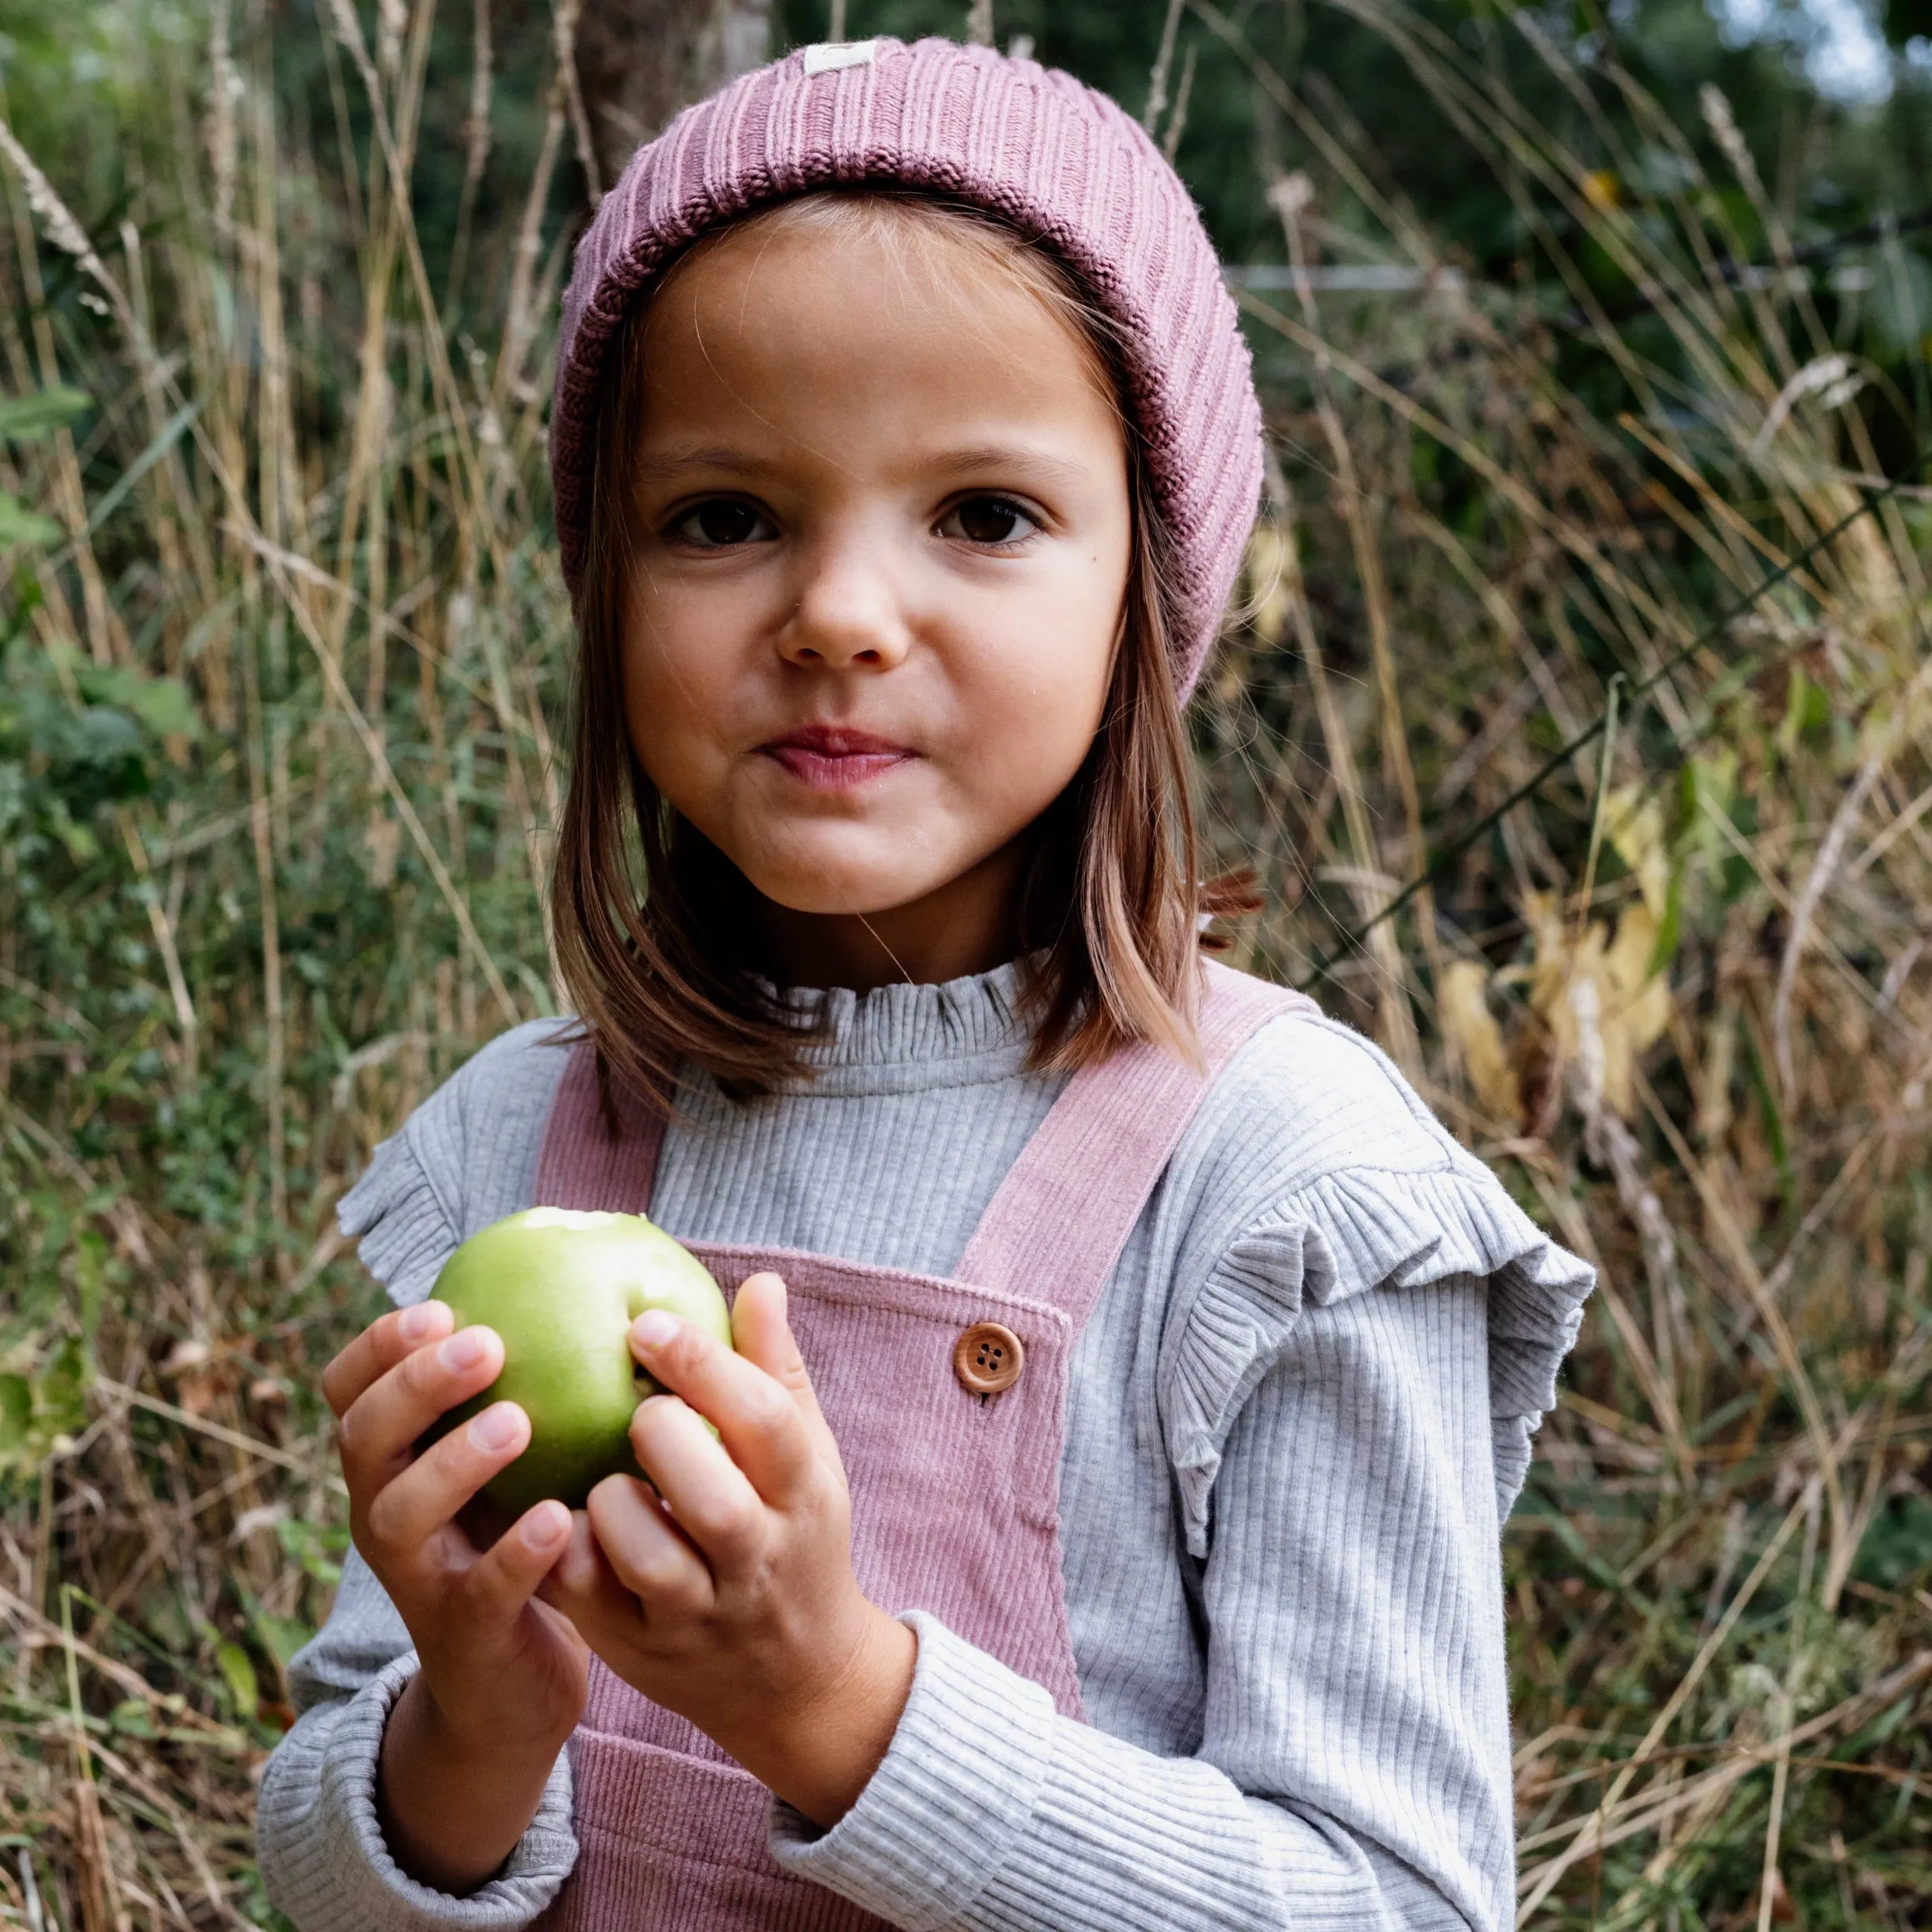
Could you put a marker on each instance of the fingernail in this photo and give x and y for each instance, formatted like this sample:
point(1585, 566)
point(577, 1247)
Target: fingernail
point(419, 1324)
point(548, 1524)
point(653, 1329)
point(462, 1351)
point(496, 1428)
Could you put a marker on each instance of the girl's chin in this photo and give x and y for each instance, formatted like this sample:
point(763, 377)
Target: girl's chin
point(862, 899)
point(821, 886)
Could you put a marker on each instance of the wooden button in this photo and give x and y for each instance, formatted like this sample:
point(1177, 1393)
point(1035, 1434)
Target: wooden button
point(987, 1358)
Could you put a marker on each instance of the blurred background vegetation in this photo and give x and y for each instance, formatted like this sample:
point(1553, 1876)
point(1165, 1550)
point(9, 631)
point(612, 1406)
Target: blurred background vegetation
point(1595, 345)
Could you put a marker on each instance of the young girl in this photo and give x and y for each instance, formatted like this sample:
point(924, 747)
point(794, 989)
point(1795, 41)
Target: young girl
point(1100, 1528)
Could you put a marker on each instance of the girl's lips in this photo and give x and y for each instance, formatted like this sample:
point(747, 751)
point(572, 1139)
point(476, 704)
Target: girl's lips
point(829, 760)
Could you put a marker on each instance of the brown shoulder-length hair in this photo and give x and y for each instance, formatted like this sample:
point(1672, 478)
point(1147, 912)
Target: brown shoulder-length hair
point(648, 912)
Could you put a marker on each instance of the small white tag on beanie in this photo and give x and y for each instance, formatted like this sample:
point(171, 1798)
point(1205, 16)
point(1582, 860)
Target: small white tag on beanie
point(822, 56)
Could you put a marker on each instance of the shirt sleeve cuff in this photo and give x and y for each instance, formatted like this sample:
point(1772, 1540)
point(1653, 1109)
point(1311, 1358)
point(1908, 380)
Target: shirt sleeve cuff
point(952, 1797)
point(335, 1870)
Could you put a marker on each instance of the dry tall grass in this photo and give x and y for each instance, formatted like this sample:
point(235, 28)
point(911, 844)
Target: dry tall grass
point(285, 659)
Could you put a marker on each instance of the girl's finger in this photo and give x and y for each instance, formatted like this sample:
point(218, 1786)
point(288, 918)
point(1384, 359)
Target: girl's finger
point(708, 1496)
point(379, 1347)
point(503, 1580)
point(643, 1548)
point(382, 1425)
point(427, 1494)
point(756, 1418)
point(583, 1586)
point(762, 1331)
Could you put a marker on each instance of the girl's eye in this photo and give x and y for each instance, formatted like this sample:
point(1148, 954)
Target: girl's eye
point(721, 524)
point(989, 520)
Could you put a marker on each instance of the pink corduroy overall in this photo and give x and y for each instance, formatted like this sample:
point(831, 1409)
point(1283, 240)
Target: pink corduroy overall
point(955, 1495)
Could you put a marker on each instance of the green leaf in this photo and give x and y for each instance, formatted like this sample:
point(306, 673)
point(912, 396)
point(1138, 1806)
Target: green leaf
point(62, 1389)
point(132, 1717)
point(281, 1637)
point(19, 525)
point(164, 706)
point(1671, 927)
point(1882, 1730)
point(23, 418)
point(1771, 1115)
point(89, 1276)
point(313, 1546)
point(16, 1415)
point(170, 434)
point(238, 1674)
point(117, 697)
point(1898, 1545)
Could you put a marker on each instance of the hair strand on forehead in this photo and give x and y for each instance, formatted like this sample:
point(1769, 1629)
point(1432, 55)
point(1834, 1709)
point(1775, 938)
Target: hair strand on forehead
point(648, 915)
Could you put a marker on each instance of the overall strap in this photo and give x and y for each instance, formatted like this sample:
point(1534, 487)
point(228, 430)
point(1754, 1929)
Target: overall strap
point(1063, 1214)
point(1056, 1227)
point(581, 1163)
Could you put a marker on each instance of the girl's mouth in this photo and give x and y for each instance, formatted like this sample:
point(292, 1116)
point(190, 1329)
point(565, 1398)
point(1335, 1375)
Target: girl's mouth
point(831, 757)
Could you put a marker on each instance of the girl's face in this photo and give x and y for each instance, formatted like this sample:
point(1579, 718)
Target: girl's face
point(885, 532)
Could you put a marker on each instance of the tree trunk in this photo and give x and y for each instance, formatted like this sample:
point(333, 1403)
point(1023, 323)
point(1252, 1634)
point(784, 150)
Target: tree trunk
point(638, 61)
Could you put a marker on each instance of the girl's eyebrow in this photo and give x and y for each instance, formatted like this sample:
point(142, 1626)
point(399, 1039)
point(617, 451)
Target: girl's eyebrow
point(1015, 456)
point(671, 463)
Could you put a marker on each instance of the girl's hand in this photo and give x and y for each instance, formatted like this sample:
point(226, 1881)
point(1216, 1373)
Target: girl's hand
point(729, 1596)
point(502, 1676)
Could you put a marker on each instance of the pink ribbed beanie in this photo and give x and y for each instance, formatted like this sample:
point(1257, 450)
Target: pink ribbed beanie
point(1062, 164)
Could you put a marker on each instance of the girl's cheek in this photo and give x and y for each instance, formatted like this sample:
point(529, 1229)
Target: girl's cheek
point(1052, 693)
point(681, 674)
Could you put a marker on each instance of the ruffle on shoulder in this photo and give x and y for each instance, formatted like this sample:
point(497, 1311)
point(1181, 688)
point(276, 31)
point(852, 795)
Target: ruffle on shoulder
point(1348, 1233)
point(405, 1230)
point(464, 1157)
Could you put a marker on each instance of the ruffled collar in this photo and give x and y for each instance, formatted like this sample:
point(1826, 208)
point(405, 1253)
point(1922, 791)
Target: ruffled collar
point(902, 1038)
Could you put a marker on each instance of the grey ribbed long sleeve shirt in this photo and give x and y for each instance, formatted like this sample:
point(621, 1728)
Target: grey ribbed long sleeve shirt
point(1293, 1422)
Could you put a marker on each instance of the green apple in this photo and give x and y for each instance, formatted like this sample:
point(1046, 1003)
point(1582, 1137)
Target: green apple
point(561, 1288)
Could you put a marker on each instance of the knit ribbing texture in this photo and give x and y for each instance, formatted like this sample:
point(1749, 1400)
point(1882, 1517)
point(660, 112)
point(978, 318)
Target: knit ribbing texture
point(1060, 162)
point(1293, 1419)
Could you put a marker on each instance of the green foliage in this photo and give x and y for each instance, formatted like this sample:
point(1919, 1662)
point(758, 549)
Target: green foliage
point(23, 418)
point(43, 1410)
point(76, 738)
point(20, 526)
point(271, 576)
point(1897, 1550)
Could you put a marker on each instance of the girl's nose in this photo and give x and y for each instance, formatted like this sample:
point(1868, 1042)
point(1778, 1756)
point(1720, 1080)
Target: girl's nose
point(848, 617)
